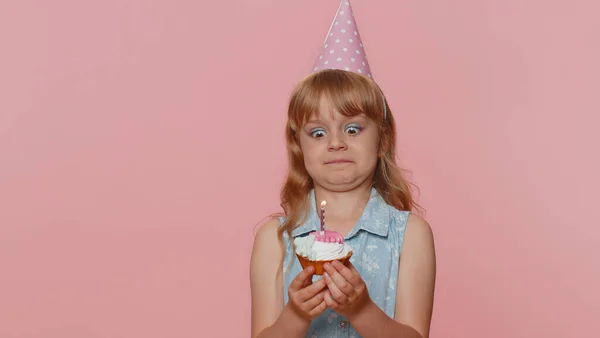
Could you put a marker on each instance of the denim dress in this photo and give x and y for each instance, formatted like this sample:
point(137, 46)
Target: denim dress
point(376, 242)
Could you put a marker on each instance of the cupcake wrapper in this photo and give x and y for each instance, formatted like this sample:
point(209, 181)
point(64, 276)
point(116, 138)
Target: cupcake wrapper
point(319, 265)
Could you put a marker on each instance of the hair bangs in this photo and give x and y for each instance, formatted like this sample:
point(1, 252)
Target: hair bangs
point(348, 93)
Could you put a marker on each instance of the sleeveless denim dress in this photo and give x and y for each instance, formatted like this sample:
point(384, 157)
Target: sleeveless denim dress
point(376, 242)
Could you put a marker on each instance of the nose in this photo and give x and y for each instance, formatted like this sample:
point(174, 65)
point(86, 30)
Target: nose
point(336, 143)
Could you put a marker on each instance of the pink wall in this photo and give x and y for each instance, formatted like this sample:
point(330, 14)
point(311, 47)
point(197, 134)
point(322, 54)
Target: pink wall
point(128, 191)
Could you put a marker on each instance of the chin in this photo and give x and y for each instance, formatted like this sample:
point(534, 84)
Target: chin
point(340, 187)
point(339, 184)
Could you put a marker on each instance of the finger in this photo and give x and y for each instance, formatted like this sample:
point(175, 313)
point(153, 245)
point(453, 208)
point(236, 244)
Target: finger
point(315, 301)
point(341, 284)
point(335, 291)
point(318, 309)
point(311, 290)
point(349, 273)
point(330, 301)
point(301, 278)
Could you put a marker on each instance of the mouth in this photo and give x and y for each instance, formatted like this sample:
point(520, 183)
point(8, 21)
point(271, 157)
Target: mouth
point(338, 161)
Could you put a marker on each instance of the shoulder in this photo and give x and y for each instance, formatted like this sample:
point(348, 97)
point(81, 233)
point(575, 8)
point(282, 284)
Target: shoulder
point(267, 235)
point(268, 227)
point(418, 244)
point(267, 252)
point(418, 236)
point(409, 220)
point(419, 227)
point(268, 245)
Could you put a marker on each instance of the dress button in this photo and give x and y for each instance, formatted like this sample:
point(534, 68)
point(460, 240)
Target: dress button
point(343, 323)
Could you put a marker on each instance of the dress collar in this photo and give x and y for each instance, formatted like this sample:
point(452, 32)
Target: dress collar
point(374, 219)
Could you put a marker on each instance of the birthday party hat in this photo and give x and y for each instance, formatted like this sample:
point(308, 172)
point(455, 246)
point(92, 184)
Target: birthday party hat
point(343, 48)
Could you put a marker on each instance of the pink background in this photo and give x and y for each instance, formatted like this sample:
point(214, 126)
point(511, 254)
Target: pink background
point(141, 141)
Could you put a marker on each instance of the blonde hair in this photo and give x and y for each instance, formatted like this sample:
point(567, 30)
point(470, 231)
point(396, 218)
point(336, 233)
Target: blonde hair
point(351, 94)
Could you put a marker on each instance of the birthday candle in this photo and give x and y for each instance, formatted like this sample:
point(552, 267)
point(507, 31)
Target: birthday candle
point(323, 215)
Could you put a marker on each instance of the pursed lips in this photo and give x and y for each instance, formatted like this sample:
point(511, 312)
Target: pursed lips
point(338, 161)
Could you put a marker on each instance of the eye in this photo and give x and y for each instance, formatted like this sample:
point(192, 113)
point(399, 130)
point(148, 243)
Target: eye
point(317, 132)
point(353, 129)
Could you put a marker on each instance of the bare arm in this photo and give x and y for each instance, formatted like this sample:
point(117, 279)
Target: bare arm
point(415, 291)
point(270, 318)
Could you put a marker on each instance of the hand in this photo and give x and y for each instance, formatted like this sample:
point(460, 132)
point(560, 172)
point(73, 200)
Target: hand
point(347, 292)
point(306, 298)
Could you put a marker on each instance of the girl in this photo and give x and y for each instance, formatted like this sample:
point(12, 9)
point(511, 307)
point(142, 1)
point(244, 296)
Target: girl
point(341, 148)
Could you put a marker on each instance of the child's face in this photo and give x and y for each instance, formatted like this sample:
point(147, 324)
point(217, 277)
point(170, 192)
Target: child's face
point(340, 152)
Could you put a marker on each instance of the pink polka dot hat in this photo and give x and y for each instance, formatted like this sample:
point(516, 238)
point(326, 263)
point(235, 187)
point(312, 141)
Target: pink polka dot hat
point(343, 48)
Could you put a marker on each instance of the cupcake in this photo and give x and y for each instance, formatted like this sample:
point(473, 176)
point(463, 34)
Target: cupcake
point(321, 247)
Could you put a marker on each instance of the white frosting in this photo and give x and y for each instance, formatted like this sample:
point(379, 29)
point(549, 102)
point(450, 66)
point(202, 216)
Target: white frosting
point(320, 251)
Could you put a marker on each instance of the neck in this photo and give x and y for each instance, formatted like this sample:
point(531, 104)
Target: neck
point(343, 208)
